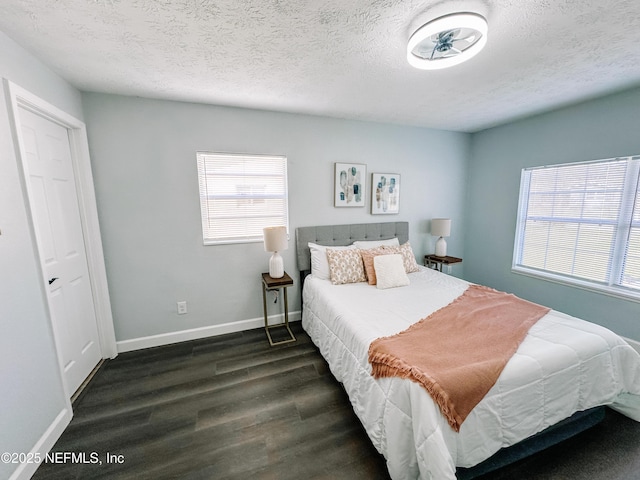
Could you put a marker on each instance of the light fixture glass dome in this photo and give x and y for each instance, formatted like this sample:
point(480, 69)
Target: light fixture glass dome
point(447, 41)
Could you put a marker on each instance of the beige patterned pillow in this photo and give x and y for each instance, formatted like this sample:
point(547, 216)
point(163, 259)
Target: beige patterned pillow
point(345, 266)
point(408, 258)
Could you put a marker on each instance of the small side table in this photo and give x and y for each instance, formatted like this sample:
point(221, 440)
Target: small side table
point(435, 262)
point(269, 283)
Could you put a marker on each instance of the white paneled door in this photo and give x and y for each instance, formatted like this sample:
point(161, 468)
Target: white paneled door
point(46, 156)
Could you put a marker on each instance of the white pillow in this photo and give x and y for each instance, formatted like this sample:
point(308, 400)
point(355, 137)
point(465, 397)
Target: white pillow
point(366, 244)
point(390, 271)
point(319, 262)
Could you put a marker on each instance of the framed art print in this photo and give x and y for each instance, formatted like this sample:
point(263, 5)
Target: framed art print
point(349, 185)
point(385, 193)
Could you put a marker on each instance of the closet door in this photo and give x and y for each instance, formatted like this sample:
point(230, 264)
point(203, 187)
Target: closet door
point(53, 200)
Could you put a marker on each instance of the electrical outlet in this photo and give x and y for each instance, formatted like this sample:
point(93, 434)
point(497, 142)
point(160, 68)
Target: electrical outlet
point(449, 269)
point(182, 307)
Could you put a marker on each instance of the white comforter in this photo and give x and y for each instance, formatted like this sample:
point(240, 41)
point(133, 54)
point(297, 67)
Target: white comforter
point(563, 366)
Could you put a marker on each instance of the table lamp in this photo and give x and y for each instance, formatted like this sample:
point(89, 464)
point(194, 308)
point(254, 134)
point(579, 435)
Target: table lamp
point(275, 240)
point(441, 227)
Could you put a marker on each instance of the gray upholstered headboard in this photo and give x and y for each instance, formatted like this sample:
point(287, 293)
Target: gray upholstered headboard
point(334, 235)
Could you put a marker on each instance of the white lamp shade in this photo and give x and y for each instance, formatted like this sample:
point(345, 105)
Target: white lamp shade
point(275, 239)
point(441, 227)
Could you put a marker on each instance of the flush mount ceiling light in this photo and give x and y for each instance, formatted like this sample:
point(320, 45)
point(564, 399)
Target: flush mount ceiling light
point(447, 41)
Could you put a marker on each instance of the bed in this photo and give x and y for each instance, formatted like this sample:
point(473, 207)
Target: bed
point(554, 386)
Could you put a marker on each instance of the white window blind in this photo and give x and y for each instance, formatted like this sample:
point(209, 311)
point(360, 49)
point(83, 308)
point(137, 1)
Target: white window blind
point(580, 223)
point(240, 195)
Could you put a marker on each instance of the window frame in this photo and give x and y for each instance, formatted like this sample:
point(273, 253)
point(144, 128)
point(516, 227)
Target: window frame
point(206, 198)
point(630, 200)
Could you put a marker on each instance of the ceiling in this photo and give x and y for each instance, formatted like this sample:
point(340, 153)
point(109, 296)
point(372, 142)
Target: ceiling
point(339, 58)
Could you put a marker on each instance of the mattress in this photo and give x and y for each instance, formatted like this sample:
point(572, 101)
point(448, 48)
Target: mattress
point(564, 365)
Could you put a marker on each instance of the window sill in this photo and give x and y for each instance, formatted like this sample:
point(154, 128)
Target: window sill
point(232, 242)
point(617, 292)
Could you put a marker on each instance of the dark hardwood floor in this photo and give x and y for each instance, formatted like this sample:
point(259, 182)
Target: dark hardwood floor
point(228, 407)
point(231, 407)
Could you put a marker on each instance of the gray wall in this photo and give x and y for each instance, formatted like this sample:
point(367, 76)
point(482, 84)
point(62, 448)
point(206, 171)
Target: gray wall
point(602, 128)
point(32, 392)
point(144, 164)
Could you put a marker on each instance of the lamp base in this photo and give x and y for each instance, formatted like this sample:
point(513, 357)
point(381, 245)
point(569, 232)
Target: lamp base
point(276, 266)
point(441, 248)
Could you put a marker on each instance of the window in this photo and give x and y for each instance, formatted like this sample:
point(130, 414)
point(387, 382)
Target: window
point(240, 195)
point(580, 223)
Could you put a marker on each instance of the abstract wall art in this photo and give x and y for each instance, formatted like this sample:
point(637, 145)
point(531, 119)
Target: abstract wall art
point(385, 193)
point(349, 188)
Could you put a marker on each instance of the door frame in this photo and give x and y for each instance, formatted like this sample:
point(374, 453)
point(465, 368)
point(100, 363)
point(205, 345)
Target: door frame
point(80, 159)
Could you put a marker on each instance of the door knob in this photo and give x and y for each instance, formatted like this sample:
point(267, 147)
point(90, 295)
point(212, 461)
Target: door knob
point(51, 280)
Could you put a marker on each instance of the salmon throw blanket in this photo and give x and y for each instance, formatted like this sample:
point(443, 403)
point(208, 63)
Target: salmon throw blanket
point(458, 352)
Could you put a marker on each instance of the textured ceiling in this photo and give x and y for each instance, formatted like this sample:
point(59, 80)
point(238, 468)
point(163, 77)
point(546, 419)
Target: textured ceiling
point(341, 58)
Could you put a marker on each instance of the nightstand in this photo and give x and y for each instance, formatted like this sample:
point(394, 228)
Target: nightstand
point(435, 262)
point(283, 283)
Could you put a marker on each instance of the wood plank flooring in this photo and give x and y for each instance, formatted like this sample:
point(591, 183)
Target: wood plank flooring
point(231, 407)
point(227, 407)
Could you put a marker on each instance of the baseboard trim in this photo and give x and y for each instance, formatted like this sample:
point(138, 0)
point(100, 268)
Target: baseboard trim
point(634, 343)
point(42, 447)
point(202, 332)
